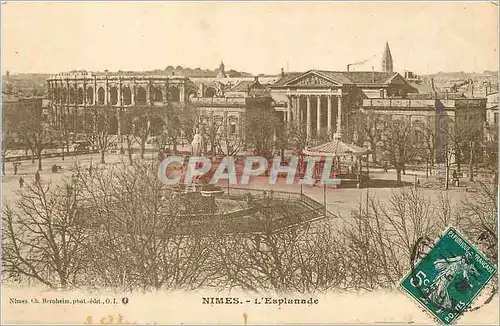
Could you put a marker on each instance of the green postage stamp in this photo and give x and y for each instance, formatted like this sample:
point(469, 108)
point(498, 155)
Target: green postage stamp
point(449, 277)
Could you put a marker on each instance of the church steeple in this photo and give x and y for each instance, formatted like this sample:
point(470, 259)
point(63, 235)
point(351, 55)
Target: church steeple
point(387, 59)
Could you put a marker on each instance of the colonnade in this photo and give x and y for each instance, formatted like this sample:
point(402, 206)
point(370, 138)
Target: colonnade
point(294, 112)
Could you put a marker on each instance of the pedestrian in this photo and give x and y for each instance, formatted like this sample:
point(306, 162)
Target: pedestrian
point(15, 168)
point(37, 176)
point(21, 182)
point(386, 167)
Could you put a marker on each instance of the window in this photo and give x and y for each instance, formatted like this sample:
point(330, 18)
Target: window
point(495, 118)
point(232, 128)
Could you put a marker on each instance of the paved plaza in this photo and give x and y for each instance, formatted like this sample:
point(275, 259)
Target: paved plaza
point(339, 201)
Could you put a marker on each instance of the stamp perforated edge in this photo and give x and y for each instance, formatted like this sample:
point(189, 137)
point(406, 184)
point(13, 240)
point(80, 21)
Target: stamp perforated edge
point(473, 299)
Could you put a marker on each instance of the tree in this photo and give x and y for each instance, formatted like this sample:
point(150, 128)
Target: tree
point(142, 124)
point(227, 143)
point(398, 144)
point(260, 123)
point(297, 259)
point(465, 138)
point(479, 215)
point(180, 121)
point(368, 129)
point(39, 136)
point(490, 147)
point(430, 135)
point(134, 224)
point(43, 237)
point(8, 144)
point(98, 129)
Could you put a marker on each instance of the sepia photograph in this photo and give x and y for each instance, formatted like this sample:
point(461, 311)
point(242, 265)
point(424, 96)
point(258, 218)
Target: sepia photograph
point(249, 162)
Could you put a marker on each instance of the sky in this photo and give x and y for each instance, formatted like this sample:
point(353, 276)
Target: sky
point(256, 37)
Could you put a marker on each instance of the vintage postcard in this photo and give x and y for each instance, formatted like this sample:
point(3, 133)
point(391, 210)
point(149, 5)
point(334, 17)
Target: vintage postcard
point(257, 162)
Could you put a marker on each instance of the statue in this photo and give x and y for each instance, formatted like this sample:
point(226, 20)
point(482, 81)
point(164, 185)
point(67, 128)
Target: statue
point(197, 144)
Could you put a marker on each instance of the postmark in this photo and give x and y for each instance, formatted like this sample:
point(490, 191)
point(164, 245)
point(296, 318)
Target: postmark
point(448, 277)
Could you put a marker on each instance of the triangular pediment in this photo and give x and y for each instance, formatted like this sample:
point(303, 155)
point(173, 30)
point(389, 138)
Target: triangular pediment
point(312, 79)
point(397, 79)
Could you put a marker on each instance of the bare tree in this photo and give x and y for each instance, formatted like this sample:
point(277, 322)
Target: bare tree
point(98, 131)
point(8, 145)
point(43, 237)
point(465, 139)
point(143, 124)
point(479, 218)
point(368, 129)
point(431, 140)
point(398, 144)
point(490, 147)
point(378, 239)
point(227, 142)
point(39, 136)
point(299, 258)
point(137, 232)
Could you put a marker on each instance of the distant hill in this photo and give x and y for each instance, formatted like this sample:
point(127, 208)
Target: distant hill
point(25, 84)
point(470, 84)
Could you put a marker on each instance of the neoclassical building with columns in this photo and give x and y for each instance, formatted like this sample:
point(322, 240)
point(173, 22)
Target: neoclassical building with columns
point(322, 102)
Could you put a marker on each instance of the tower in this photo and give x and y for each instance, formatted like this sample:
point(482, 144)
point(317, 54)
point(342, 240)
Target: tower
point(387, 59)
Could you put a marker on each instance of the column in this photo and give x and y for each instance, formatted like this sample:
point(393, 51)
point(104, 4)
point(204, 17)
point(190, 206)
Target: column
point(148, 92)
point(339, 115)
point(297, 111)
point(119, 127)
point(289, 111)
point(329, 115)
point(132, 91)
point(106, 99)
point(182, 93)
point(95, 92)
point(318, 115)
point(120, 96)
point(308, 117)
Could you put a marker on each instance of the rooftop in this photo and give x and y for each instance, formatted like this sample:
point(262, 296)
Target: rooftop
point(343, 77)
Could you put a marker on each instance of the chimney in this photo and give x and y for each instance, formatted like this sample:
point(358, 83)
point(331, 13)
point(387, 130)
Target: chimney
point(282, 72)
point(373, 74)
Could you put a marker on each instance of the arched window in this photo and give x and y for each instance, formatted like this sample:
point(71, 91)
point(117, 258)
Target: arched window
point(80, 95)
point(64, 95)
point(101, 96)
point(157, 94)
point(157, 125)
point(71, 95)
point(210, 92)
point(141, 97)
point(90, 95)
point(127, 95)
point(113, 95)
point(174, 94)
point(113, 125)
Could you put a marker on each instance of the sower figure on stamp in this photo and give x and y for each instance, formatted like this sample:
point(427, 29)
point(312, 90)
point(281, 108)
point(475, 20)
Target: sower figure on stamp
point(448, 269)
